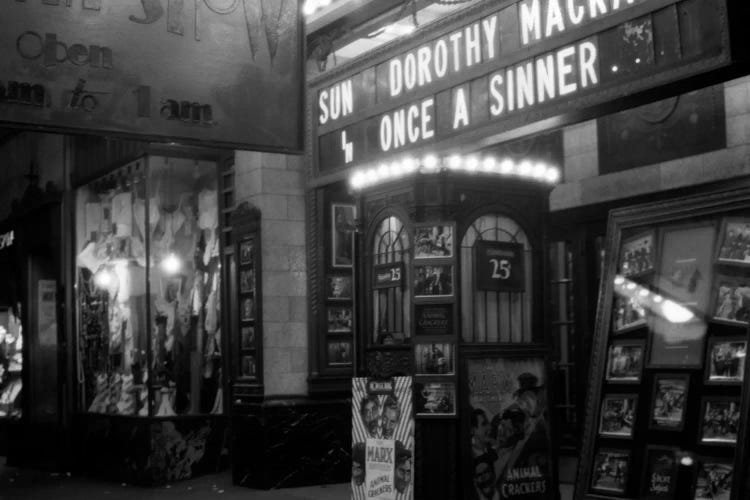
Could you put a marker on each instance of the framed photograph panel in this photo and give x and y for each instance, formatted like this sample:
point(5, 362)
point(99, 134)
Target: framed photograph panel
point(734, 241)
point(247, 334)
point(731, 300)
point(617, 415)
point(249, 366)
point(432, 241)
point(339, 319)
point(610, 471)
point(247, 308)
point(669, 402)
point(434, 399)
point(660, 473)
point(713, 480)
point(339, 287)
point(628, 314)
point(247, 280)
point(434, 359)
point(676, 345)
point(725, 360)
point(433, 281)
point(625, 361)
point(339, 352)
point(637, 255)
point(342, 234)
point(720, 421)
point(246, 251)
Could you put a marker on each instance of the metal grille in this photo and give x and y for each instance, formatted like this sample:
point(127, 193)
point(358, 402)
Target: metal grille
point(491, 317)
point(390, 305)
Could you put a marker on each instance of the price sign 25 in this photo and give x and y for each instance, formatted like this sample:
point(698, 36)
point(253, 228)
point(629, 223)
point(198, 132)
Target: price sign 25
point(499, 266)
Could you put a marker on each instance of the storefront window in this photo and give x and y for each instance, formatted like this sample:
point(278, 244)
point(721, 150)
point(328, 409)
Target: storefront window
point(391, 304)
point(490, 316)
point(149, 290)
point(11, 362)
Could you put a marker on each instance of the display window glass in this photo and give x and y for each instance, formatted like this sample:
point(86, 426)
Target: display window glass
point(149, 290)
point(490, 315)
point(390, 247)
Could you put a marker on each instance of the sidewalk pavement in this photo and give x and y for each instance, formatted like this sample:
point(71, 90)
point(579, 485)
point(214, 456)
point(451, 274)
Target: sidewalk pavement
point(26, 484)
point(17, 484)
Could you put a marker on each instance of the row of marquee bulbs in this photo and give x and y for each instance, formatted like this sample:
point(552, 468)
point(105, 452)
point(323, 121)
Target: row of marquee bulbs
point(656, 303)
point(539, 171)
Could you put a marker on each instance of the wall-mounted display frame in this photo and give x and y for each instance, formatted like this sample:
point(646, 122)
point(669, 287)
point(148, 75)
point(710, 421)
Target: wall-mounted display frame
point(433, 280)
point(617, 415)
point(339, 352)
point(339, 287)
point(691, 397)
point(730, 300)
point(625, 361)
point(733, 242)
point(434, 358)
point(669, 402)
point(343, 227)
point(611, 471)
point(628, 314)
point(433, 319)
point(339, 319)
point(719, 421)
point(637, 255)
point(725, 360)
point(434, 398)
point(433, 241)
point(660, 469)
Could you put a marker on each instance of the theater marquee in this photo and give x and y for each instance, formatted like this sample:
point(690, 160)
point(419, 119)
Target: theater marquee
point(529, 61)
point(200, 71)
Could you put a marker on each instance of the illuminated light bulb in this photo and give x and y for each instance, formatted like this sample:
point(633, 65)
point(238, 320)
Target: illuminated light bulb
point(430, 161)
point(539, 170)
point(643, 292)
point(686, 460)
point(171, 264)
point(658, 298)
point(383, 171)
point(614, 69)
point(324, 3)
point(103, 278)
point(371, 177)
point(396, 169)
point(357, 180)
point(409, 165)
point(310, 7)
point(489, 164)
point(525, 168)
point(408, 29)
point(630, 286)
point(454, 162)
point(506, 166)
point(638, 60)
point(552, 175)
point(619, 280)
point(472, 164)
point(675, 313)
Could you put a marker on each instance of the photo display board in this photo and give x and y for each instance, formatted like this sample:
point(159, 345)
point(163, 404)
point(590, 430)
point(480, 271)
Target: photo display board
point(667, 402)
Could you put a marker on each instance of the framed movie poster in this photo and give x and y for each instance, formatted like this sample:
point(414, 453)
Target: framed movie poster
point(247, 280)
point(617, 415)
point(720, 421)
point(637, 255)
point(433, 281)
point(248, 366)
point(713, 479)
point(382, 438)
point(509, 394)
point(433, 319)
point(342, 234)
point(669, 402)
point(434, 359)
point(685, 267)
point(339, 287)
point(339, 352)
point(676, 345)
point(432, 399)
point(246, 251)
point(734, 242)
point(625, 361)
point(432, 241)
point(731, 300)
point(628, 314)
point(725, 360)
point(340, 320)
point(611, 470)
point(247, 309)
point(660, 473)
point(247, 334)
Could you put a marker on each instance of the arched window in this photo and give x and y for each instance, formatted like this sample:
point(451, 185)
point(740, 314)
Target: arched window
point(390, 245)
point(494, 316)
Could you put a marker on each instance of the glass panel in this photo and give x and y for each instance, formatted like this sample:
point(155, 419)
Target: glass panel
point(11, 362)
point(185, 287)
point(391, 323)
point(494, 316)
point(111, 267)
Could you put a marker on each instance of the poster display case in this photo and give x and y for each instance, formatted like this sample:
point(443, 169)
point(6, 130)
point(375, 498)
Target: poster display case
point(667, 405)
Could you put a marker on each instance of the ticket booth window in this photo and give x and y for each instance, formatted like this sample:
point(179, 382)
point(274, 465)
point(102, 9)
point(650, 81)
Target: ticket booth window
point(390, 245)
point(495, 316)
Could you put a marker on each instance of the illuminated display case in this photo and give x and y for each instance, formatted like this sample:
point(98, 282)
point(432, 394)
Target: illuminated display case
point(149, 290)
point(667, 404)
